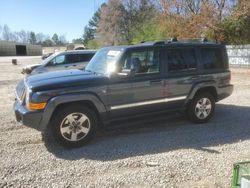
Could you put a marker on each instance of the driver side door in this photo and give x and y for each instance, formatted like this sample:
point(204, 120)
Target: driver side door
point(142, 92)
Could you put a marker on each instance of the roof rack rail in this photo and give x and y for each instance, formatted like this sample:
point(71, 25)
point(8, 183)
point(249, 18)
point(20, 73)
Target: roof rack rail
point(152, 43)
point(195, 40)
point(159, 43)
point(183, 40)
point(204, 39)
point(174, 39)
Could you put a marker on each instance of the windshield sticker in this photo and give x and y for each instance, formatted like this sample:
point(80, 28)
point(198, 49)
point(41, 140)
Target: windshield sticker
point(113, 53)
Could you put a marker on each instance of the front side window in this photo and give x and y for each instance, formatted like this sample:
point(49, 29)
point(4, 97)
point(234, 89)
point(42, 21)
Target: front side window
point(211, 58)
point(59, 60)
point(142, 61)
point(181, 60)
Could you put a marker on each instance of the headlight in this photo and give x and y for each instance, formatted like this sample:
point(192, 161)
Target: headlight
point(33, 106)
point(27, 96)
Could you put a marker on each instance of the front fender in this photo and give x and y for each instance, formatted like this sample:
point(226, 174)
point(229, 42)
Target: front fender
point(55, 101)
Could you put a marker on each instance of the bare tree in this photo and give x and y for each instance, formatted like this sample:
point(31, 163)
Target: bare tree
point(194, 6)
point(111, 24)
point(23, 36)
point(32, 38)
point(62, 39)
point(1, 28)
point(14, 36)
point(6, 33)
point(40, 37)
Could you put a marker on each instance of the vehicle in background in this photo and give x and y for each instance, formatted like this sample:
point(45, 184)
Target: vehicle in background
point(45, 56)
point(75, 59)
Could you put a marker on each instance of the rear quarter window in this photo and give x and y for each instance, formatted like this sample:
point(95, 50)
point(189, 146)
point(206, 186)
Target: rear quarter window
point(212, 58)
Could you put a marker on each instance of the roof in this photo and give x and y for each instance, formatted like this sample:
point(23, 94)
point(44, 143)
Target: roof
point(78, 51)
point(172, 42)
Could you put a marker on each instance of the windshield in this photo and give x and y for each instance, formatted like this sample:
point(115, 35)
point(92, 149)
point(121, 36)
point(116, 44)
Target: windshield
point(104, 61)
point(48, 59)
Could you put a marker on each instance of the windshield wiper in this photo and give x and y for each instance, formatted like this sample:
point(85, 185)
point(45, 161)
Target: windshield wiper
point(91, 71)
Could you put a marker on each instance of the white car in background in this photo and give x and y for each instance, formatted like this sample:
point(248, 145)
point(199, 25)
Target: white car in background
point(75, 59)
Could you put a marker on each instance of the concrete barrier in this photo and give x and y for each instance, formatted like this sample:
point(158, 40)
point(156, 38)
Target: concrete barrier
point(239, 55)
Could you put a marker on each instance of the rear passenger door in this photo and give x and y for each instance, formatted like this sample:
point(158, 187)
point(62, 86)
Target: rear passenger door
point(181, 74)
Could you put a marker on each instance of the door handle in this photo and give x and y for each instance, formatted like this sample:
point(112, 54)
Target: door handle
point(155, 81)
point(74, 65)
point(195, 77)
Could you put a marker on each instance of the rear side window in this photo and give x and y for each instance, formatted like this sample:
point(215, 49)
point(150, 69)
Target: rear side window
point(72, 58)
point(181, 59)
point(212, 58)
point(86, 57)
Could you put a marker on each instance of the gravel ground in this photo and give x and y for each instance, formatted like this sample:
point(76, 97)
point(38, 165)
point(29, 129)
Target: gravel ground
point(170, 153)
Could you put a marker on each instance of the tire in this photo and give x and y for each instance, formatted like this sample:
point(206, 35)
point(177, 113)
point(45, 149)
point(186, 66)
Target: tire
point(201, 108)
point(73, 126)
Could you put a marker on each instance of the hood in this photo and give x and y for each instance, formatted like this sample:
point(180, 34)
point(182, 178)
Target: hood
point(32, 66)
point(65, 78)
point(28, 68)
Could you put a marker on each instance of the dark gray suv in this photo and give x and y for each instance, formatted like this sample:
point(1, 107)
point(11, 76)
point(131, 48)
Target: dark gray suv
point(126, 82)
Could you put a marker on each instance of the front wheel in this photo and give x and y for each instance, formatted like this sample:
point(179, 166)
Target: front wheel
point(73, 126)
point(201, 108)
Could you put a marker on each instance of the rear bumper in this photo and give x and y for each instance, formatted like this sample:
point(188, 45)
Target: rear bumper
point(225, 91)
point(29, 118)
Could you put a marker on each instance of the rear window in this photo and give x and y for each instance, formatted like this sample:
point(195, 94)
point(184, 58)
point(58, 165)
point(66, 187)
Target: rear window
point(86, 57)
point(181, 59)
point(212, 58)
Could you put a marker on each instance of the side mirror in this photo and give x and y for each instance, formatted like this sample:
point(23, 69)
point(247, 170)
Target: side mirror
point(126, 73)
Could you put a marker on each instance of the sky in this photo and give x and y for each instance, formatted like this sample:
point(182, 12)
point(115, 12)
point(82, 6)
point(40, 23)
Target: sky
point(64, 17)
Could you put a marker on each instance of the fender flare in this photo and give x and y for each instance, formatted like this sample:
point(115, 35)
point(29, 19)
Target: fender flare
point(63, 99)
point(200, 85)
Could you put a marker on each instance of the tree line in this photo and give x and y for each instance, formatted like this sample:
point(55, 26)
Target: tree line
point(31, 37)
point(132, 21)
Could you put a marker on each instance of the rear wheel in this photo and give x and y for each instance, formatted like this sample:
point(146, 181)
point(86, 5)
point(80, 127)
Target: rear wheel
point(201, 108)
point(73, 126)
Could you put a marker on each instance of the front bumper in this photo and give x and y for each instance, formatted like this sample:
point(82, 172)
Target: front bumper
point(225, 91)
point(29, 118)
